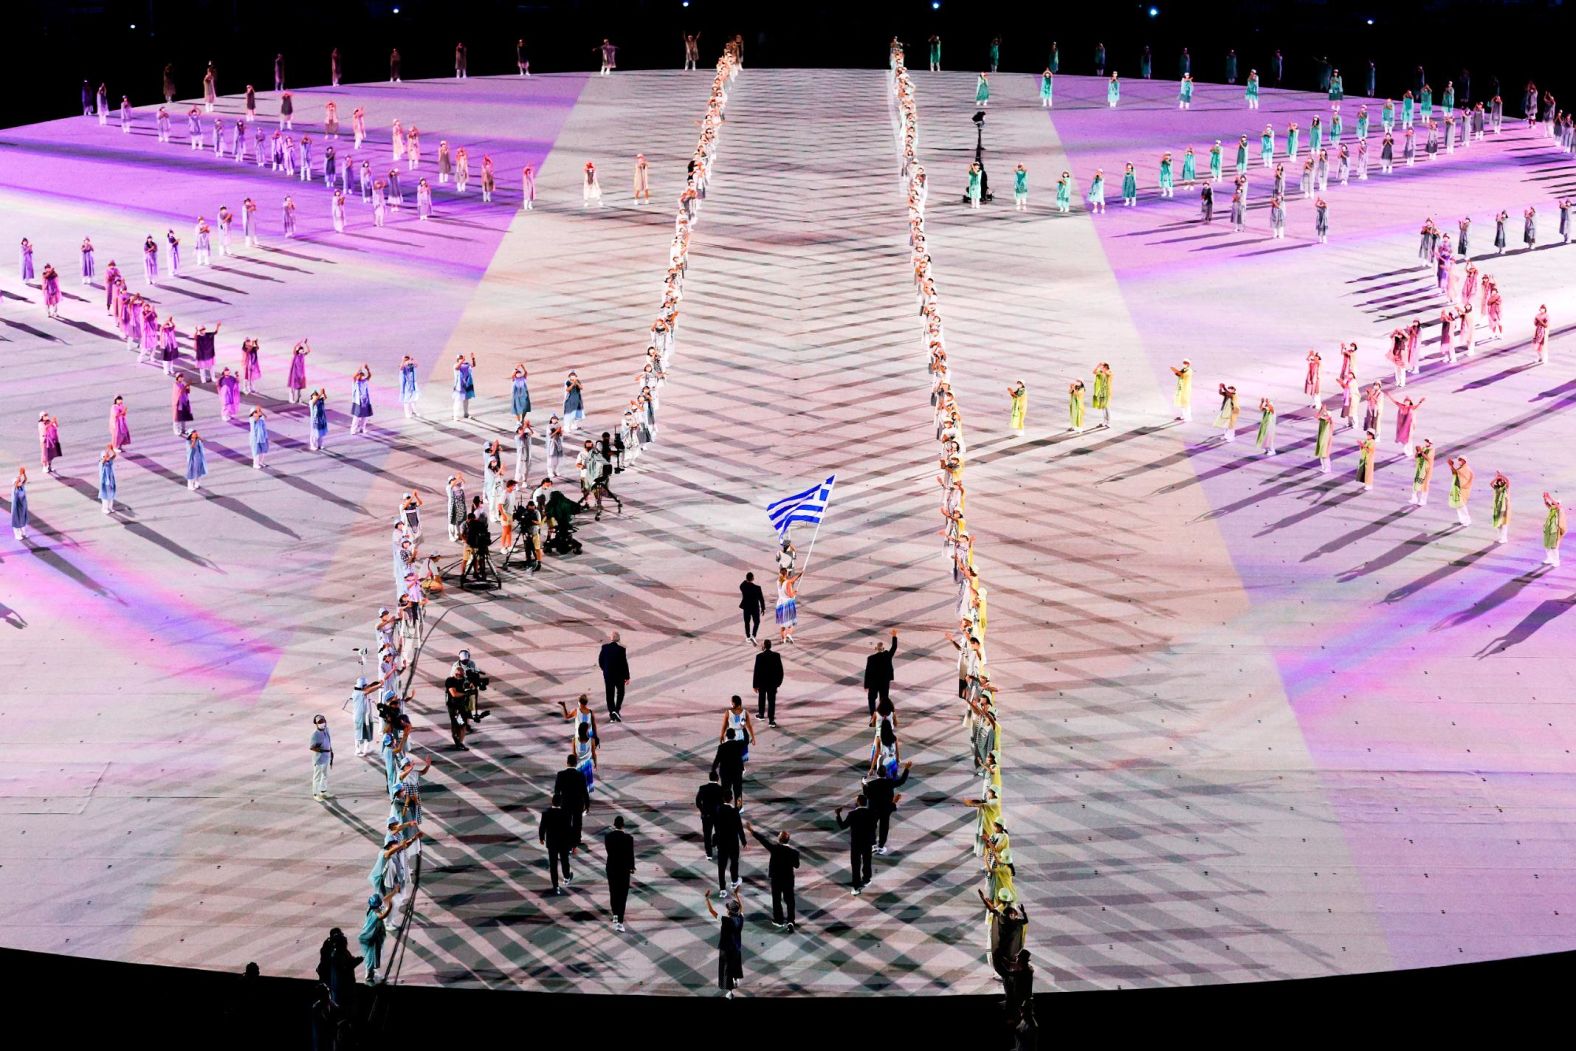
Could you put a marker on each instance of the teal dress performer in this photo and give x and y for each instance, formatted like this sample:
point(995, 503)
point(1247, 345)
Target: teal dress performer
point(1267, 146)
point(1097, 192)
point(974, 185)
point(1336, 93)
point(1362, 123)
point(1020, 186)
point(1315, 136)
point(1447, 99)
point(1387, 116)
point(1056, 59)
point(372, 935)
point(1113, 91)
point(1189, 166)
point(1185, 92)
point(1064, 194)
point(106, 490)
point(1214, 162)
point(1426, 103)
point(1406, 110)
point(1242, 155)
point(995, 54)
point(982, 91)
point(935, 53)
point(1047, 87)
point(1129, 186)
point(1293, 133)
point(1335, 131)
point(1166, 181)
point(1251, 92)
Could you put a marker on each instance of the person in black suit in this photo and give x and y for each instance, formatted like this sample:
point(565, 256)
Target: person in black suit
point(784, 860)
point(753, 602)
point(861, 825)
point(768, 676)
point(878, 672)
point(708, 800)
point(569, 788)
point(615, 675)
point(730, 840)
point(554, 833)
point(884, 797)
point(620, 868)
point(729, 762)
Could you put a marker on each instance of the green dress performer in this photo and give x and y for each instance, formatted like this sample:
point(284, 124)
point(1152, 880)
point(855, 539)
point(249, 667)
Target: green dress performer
point(1336, 93)
point(1075, 404)
point(1251, 92)
point(1321, 441)
point(974, 185)
point(1047, 88)
point(1064, 193)
point(1501, 515)
point(1365, 461)
point(1189, 167)
point(1020, 405)
point(1113, 91)
point(1267, 145)
point(1242, 155)
point(982, 91)
point(1553, 530)
point(1102, 393)
point(1183, 399)
point(1265, 438)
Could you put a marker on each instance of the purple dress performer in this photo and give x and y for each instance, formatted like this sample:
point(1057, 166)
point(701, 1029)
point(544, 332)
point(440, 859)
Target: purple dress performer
point(27, 260)
point(229, 395)
point(51, 291)
point(87, 261)
point(251, 369)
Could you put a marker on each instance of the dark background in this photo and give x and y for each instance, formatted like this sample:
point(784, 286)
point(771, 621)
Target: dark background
point(55, 44)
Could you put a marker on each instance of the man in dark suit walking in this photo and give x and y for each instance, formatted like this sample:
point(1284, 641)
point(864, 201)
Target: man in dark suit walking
point(554, 834)
point(614, 663)
point(784, 860)
point(861, 825)
point(753, 602)
point(730, 840)
point(620, 868)
point(878, 672)
point(569, 788)
point(768, 676)
point(708, 800)
point(729, 761)
point(882, 792)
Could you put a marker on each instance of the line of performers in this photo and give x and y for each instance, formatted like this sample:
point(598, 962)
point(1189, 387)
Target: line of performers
point(992, 844)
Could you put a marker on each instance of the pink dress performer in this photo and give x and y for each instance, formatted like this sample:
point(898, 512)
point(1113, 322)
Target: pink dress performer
point(48, 441)
point(51, 291)
point(1405, 416)
point(296, 380)
point(528, 188)
point(1313, 378)
point(119, 427)
point(423, 200)
point(251, 367)
point(1540, 335)
point(87, 261)
point(150, 333)
point(358, 124)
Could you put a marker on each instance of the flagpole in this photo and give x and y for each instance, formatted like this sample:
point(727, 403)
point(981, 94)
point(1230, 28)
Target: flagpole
point(811, 549)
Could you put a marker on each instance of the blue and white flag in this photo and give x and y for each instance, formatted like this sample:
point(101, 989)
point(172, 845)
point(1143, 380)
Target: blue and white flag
point(807, 506)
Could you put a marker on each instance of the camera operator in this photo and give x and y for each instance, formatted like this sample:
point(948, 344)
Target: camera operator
point(560, 510)
point(456, 697)
point(478, 545)
point(476, 681)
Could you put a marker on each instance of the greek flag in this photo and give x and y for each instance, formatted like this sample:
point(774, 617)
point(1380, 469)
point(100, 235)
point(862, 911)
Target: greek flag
point(807, 506)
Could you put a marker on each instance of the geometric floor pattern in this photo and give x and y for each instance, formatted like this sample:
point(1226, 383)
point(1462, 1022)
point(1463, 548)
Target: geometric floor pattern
point(1258, 723)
